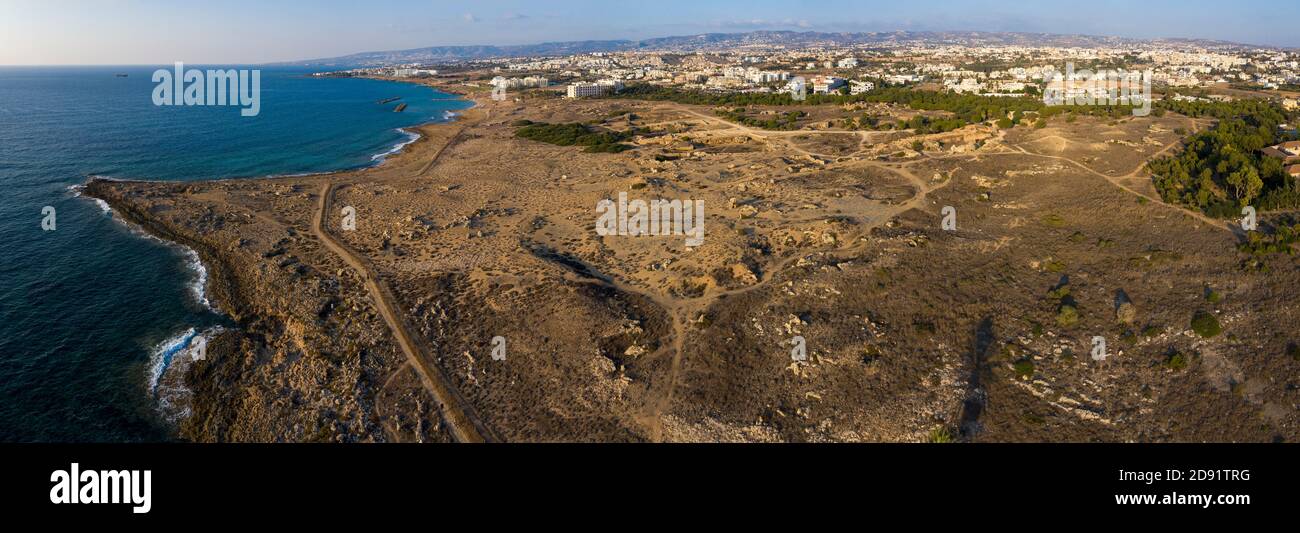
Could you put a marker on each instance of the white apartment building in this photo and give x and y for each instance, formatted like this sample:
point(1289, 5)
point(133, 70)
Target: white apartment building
point(611, 85)
point(902, 79)
point(826, 84)
point(768, 77)
point(521, 83)
point(859, 87)
point(583, 90)
point(966, 85)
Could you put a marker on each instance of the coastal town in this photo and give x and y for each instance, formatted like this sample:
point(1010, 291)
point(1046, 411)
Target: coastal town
point(1190, 70)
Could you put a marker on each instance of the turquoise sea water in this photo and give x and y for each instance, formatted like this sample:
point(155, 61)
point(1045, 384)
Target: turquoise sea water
point(88, 312)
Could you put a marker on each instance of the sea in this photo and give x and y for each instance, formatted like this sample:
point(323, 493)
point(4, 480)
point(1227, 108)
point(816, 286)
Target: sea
point(94, 311)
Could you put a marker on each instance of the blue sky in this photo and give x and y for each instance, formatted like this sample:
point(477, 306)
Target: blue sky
point(249, 31)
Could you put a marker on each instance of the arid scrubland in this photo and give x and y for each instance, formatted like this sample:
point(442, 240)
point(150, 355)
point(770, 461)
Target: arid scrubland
point(827, 239)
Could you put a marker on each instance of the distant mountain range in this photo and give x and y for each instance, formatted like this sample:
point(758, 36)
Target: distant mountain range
point(718, 41)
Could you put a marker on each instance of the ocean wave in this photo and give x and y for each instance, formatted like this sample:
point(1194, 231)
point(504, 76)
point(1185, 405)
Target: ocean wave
point(77, 190)
point(169, 362)
point(198, 287)
point(410, 138)
point(163, 354)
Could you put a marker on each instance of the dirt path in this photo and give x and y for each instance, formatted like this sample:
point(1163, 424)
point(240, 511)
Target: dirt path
point(760, 134)
point(683, 310)
point(463, 423)
point(1113, 180)
point(1116, 181)
point(451, 141)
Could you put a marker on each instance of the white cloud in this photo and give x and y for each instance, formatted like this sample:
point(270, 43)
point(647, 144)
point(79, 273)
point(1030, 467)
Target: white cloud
point(469, 17)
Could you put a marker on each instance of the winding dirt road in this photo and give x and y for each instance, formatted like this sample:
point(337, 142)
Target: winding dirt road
point(464, 424)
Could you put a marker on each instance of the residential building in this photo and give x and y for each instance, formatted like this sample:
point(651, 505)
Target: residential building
point(1288, 152)
point(859, 87)
point(583, 90)
point(826, 84)
point(520, 83)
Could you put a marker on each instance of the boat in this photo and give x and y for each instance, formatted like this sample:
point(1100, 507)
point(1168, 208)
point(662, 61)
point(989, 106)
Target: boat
point(400, 108)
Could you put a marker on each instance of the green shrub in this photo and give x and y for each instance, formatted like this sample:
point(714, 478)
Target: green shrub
point(1206, 325)
point(940, 435)
point(1213, 296)
point(575, 134)
point(1176, 361)
point(1059, 293)
point(1067, 316)
point(607, 148)
point(1024, 368)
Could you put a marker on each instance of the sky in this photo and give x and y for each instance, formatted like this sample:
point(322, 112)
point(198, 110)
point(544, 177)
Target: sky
point(128, 32)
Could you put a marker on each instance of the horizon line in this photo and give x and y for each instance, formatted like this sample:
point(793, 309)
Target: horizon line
point(629, 40)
